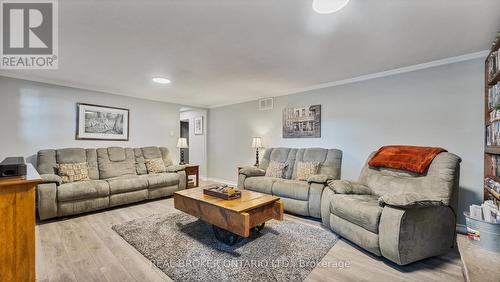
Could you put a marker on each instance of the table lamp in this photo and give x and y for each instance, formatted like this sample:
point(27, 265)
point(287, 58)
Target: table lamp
point(182, 144)
point(257, 144)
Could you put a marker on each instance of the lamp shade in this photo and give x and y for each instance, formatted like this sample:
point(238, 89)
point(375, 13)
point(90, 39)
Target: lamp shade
point(257, 142)
point(182, 143)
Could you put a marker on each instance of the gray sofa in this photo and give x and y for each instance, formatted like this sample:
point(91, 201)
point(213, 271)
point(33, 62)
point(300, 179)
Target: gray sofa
point(396, 214)
point(299, 197)
point(117, 176)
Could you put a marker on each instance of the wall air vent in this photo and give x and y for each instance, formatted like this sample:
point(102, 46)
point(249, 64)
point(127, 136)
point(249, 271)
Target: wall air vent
point(266, 104)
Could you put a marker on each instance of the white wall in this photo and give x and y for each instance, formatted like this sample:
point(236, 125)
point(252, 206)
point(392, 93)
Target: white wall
point(197, 143)
point(441, 106)
point(42, 116)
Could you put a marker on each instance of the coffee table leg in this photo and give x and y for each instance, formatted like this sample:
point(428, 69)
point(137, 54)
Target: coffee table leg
point(225, 236)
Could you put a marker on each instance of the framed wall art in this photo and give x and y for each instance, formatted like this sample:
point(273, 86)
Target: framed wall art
point(95, 122)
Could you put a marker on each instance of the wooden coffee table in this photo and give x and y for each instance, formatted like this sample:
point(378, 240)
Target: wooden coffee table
point(230, 218)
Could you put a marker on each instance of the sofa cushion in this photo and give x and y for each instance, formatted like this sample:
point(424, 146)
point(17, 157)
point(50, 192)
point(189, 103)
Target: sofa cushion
point(109, 168)
point(71, 155)
point(126, 184)
point(155, 165)
point(362, 210)
point(262, 184)
point(82, 190)
point(330, 161)
point(116, 154)
point(281, 155)
point(92, 163)
point(161, 179)
point(306, 169)
point(142, 154)
point(73, 172)
point(293, 189)
point(276, 169)
point(46, 162)
point(151, 152)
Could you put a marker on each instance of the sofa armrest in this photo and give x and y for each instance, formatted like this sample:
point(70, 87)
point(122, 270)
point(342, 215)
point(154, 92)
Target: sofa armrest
point(408, 200)
point(175, 168)
point(182, 179)
point(408, 235)
point(47, 200)
point(51, 178)
point(251, 171)
point(319, 178)
point(349, 187)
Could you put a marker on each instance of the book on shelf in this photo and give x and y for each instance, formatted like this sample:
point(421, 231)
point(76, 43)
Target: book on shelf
point(493, 134)
point(493, 65)
point(494, 115)
point(494, 97)
point(495, 167)
point(492, 184)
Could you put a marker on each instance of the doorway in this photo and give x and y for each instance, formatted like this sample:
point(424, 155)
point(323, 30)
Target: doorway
point(185, 134)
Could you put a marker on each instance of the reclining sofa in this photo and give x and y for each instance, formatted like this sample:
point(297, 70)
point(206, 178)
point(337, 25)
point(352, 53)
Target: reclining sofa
point(117, 176)
point(400, 215)
point(299, 197)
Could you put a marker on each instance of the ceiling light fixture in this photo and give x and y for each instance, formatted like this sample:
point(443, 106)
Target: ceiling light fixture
point(161, 80)
point(328, 6)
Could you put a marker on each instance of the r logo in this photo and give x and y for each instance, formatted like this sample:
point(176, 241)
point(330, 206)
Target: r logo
point(27, 28)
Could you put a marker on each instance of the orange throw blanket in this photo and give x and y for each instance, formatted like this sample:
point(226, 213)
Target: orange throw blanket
point(411, 158)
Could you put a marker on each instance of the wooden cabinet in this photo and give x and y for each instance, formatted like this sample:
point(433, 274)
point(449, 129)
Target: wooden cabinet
point(17, 227)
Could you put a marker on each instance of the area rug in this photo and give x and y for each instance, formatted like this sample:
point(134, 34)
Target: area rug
point(186, 250)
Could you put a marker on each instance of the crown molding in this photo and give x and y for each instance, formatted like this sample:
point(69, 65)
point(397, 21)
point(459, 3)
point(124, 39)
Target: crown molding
point(432, 64)
point(451, 60)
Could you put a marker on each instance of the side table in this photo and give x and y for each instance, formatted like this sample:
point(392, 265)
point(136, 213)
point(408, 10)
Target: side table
point(192, 170)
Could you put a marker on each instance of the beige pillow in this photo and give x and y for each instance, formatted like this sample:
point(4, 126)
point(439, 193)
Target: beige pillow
point(276, 169)
point(73, 172)
point(306, 169)
point(155, 165)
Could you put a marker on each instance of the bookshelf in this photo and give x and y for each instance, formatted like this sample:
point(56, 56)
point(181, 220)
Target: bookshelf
point(492, 119)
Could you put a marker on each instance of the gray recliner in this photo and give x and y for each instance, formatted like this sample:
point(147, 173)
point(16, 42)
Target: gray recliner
point(117, 176)
point(299, 197)
point(400, 215)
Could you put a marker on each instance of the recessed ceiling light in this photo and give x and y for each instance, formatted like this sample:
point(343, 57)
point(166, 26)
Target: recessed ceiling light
point(328, 6)
point(161, 80)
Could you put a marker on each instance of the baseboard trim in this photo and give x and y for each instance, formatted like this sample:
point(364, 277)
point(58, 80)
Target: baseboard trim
point(223, 181)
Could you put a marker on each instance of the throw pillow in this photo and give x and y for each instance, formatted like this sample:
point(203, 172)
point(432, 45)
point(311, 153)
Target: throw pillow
point(306, 169)
point(276, 169)
point(73, 172)
point(155, 165)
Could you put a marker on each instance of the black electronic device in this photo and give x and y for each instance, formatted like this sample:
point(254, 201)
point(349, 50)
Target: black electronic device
point(12, 167)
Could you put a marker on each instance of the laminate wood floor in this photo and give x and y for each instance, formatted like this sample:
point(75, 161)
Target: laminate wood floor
point(85, 248)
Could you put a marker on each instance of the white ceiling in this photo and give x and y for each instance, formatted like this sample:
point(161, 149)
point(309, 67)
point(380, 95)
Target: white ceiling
point(227, 51)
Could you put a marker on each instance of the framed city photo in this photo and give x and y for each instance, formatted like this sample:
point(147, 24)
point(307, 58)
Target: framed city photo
point(96, 122)
point(198, 126)
point(302, 122)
